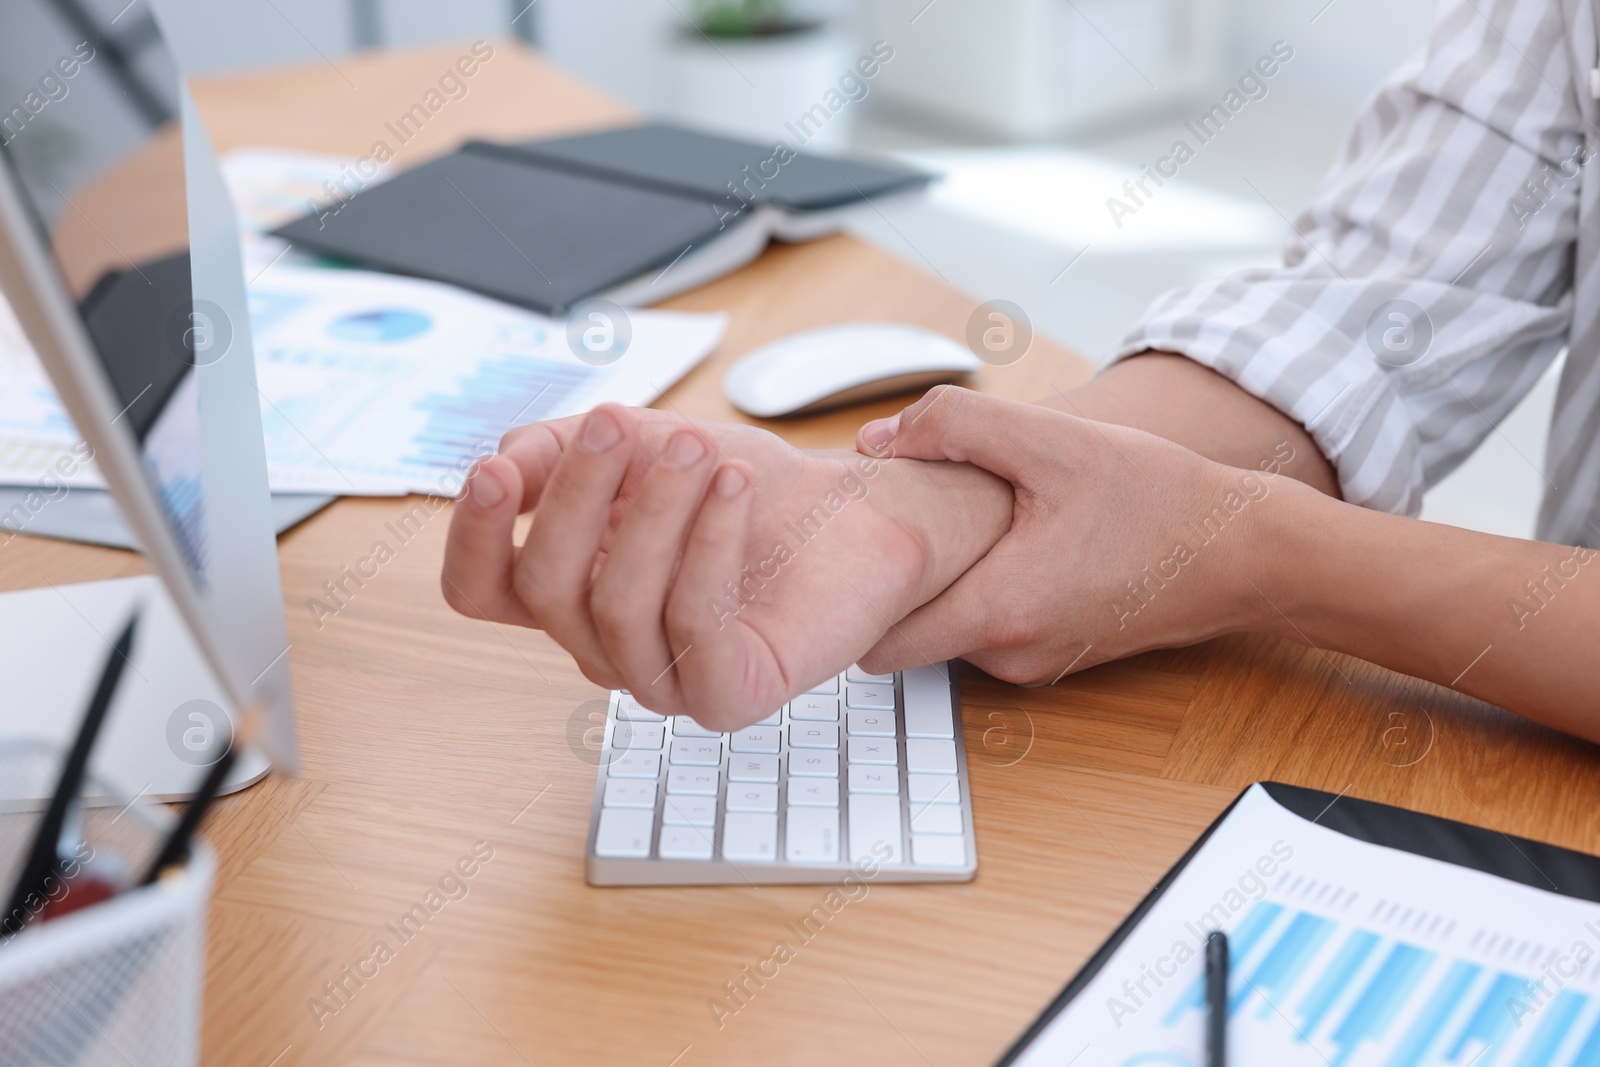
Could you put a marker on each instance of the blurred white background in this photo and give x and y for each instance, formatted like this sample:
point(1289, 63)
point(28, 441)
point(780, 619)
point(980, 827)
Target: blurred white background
point(1036, 110)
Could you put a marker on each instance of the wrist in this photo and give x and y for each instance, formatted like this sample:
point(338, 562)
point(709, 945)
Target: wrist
point(955, 512)
point(1287, 555)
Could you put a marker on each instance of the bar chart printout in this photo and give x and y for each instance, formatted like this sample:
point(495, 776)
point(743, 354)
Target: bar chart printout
point(1345, 955)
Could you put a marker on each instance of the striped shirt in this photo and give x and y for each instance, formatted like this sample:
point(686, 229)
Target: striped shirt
point(1443, 264)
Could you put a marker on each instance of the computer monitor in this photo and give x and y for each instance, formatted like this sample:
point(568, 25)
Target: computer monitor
point(120, 255)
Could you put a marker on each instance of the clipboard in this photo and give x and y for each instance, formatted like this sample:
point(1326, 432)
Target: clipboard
point(1534, 864)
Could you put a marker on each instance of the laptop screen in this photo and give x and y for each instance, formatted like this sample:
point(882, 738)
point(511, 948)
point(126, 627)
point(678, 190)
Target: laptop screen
point(88, 128)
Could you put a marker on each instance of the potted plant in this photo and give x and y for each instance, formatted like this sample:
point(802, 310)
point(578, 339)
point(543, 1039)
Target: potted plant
point(752, 68)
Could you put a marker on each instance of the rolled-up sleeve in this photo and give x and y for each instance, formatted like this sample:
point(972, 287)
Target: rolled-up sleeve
point(1428, 285)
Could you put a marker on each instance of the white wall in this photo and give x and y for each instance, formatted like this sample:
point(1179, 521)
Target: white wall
point(1343, 54)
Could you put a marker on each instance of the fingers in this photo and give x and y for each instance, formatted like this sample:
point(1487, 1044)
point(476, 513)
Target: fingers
point(552, 574)
point(950, 423)
point(479, 553)
point(713, 651)
point(535, 451)
point(629, 597)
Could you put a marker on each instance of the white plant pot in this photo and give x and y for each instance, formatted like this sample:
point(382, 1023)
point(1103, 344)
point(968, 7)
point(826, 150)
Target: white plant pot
point(759, 88)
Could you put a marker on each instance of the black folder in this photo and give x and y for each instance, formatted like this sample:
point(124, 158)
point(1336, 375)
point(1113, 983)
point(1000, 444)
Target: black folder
point(674, 159)
point(636, 214)
point(1532, 863)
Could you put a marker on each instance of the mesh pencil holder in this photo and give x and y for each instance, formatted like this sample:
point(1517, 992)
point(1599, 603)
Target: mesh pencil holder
point(117, 982)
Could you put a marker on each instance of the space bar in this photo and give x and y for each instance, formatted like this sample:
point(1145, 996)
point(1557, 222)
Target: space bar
point(875, 828)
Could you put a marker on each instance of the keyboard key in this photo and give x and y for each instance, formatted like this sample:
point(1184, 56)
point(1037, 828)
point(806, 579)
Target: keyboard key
point(875, 821)
point(814, 709)
point(683, 726)
point(856, 674)
point(812, 836)
point(696, 752)
point(869, 697)
point(813, 735)
point(930, 757)
point(933, 788)
point(689, 811)
point(936, 819)
point(635, 765)
point(756, 739)
point(872, 750)
point(633, 711)
point(927, 700)
point(693, 781)
point(684, 843)
point(869, 779)
point(771, 720)
point(754, 796)
point(638, 736)
point(829, 685)
point(752, 768)
point(938, 850)
point(624, 832)
point(748, 835)
point(814, 792)
point(630, 793)
point(812, 764)
point(870, 723)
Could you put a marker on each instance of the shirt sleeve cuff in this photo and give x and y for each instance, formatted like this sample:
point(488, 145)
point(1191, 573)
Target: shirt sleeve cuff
point(1264, 335)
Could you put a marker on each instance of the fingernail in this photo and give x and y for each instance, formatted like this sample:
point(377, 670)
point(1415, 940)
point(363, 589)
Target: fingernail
point(877, 435)
point(730, 482)
point(684, 450)
point(487, 492)
point(600, 432)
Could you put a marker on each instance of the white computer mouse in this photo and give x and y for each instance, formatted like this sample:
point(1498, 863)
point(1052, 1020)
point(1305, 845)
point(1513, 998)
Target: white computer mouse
point(836, 365)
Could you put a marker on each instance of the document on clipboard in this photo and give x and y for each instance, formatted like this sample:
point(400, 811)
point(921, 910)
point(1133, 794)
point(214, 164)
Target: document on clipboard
point(1362, 935)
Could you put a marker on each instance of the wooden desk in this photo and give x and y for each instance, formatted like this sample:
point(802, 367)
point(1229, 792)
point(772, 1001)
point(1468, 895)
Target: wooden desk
point(424, 733)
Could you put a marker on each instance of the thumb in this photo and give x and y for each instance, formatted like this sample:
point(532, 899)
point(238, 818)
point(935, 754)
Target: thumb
point(951, 423)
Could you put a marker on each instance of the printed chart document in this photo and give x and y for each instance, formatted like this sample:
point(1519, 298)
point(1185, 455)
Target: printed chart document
point(372, 383)
point(1344, 954)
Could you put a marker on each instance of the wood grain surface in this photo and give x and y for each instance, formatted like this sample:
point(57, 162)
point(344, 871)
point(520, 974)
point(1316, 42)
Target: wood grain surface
point(427, 736)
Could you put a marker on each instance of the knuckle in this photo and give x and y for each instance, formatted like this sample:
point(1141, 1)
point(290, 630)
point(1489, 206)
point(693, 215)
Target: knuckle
point(537, 596)
point(687, 615)
point(458, 601)
point(610, 606)
point(1012, 667)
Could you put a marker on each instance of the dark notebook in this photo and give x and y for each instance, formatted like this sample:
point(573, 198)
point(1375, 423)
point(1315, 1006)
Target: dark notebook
point(636, 214)
point(675, 159)
point(531, 235)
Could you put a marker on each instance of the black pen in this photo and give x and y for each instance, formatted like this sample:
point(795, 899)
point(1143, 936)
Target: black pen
point(1217, 999)
point(175, 849)
point(44, 861)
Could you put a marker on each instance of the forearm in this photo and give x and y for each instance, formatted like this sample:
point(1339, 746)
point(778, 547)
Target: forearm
point(1194, 406)
point(1512, 622)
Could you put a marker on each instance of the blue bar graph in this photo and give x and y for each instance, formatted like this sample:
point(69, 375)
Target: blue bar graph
point(501, 393)
point(1240, 942)
point(1351, 956)
point(1391, 987)
point(1589, 1054)
point(1555, 1019)
point(1427, 1026)
point(1490, 1023)
point(1369, 999)
point(1284, 963)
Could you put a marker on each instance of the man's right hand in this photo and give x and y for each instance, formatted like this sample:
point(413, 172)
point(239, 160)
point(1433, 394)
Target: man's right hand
point(1120, 542)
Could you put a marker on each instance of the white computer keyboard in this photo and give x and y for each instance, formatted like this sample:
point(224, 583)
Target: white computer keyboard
point(863, 768)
